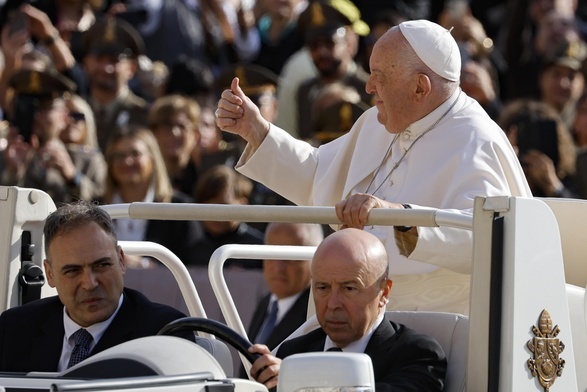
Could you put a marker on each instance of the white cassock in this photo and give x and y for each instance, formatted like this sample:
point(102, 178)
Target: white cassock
point(463, 156)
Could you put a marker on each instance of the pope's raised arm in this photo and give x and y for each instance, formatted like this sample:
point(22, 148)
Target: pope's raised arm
point(237, 114)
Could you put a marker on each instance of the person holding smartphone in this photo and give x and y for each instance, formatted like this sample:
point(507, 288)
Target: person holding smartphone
point(36, 157)
point(544, 147)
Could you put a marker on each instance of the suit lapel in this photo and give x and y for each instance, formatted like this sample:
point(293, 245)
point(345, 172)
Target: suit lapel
point(258, 317)
point(379, 345)
point(291, 321)
point(120, 330)
point(317, 343)
point(46, 349)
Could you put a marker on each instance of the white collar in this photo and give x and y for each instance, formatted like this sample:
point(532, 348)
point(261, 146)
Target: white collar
point(284, 304)
point(416, 128)
point(96, 330)
point(360, 345)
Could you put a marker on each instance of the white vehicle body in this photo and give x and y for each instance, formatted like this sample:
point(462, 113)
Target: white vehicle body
point(518, 271)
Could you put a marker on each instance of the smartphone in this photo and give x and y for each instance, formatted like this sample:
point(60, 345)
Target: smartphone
point(16, 21)
point(25, 107)
point(538, 134)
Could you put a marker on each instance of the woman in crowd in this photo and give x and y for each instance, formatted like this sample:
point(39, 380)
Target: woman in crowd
point(136, 173)
point(174, 120)
point(80, 130)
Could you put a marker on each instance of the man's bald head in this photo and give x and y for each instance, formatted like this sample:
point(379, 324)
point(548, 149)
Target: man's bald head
point(357, 246)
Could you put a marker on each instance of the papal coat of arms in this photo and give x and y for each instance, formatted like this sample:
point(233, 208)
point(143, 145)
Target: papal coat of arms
point(546, 364)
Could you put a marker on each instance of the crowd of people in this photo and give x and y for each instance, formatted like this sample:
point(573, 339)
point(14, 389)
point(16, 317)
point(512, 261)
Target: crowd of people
point(356, 104)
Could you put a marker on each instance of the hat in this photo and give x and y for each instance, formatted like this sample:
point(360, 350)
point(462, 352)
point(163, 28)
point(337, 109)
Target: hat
point(435, 46)
point(568, 54)
point(42, 84)
point(253, 79)
point(336, 120)
point(324, 17)
point(112, 36)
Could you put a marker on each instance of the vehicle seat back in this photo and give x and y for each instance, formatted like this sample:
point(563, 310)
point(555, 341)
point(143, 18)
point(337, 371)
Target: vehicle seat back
point(451, 331)
point(569, 214)
point(577, 298)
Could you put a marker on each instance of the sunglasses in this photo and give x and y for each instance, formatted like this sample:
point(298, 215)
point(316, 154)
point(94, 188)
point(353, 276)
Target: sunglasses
point(77, 116)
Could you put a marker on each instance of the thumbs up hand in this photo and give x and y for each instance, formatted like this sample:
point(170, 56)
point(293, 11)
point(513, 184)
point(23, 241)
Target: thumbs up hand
point(237, 114)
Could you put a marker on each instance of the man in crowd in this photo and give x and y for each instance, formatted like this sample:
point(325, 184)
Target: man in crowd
point(351, 290)
point(111, 49)
point(333, 45)
point(425, 143)
point(93, 310)
point(284, 309)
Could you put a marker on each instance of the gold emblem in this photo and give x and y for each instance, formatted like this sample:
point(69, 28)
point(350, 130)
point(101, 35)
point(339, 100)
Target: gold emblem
point(546, 364)
point(109, 31)
point(34, 85)
point(318, 18)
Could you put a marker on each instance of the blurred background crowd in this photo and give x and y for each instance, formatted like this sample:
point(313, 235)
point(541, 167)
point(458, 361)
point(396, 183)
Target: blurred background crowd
point(113, 100)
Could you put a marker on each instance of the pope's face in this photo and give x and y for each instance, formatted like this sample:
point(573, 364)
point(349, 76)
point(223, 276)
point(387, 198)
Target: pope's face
point(86, 267)
point(389, 83)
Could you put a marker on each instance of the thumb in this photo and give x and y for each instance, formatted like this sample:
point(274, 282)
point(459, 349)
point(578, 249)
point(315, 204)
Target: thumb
point(236, 89)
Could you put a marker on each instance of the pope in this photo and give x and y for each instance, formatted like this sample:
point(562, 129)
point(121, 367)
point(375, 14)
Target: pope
point(424, 144)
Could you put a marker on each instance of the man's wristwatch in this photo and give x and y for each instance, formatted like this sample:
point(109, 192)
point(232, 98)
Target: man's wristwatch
point(403, 229)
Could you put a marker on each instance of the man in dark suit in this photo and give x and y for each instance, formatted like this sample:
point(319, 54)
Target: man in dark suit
point(288, 282)
point(86, 266)
point(351, 288)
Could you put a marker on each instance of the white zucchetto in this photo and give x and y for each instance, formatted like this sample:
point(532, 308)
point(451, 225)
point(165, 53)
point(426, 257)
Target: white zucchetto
point(435, 46)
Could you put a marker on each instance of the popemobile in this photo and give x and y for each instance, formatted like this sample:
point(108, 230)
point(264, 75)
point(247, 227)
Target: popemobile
point(526, 330)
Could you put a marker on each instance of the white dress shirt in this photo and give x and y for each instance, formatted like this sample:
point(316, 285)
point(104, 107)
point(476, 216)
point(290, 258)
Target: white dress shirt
point(96, 330)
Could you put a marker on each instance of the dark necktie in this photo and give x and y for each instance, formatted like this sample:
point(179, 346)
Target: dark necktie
point(269, 324)
point(83, 339)
point(334, 349)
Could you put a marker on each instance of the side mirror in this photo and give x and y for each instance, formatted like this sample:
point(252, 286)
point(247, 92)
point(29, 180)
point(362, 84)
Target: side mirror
point(319, 371)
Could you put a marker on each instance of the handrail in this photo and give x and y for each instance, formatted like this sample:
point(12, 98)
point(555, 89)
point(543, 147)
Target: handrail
point(220, 288)
point(175, 265)
point(424, 217)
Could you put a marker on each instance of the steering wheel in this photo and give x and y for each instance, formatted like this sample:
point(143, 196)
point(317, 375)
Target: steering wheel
point(212, 327)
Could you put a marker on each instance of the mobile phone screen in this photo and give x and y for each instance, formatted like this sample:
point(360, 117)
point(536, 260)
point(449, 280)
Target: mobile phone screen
point(541, 135)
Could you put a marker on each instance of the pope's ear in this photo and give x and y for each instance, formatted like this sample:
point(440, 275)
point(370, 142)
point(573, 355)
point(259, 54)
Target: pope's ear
point(423, 87)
